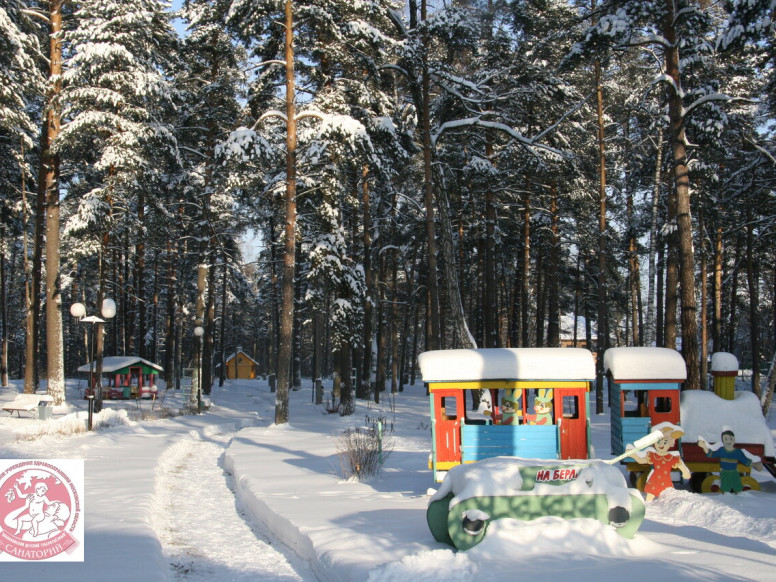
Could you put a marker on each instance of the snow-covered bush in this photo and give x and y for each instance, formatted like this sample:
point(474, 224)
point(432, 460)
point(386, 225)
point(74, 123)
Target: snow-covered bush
point(362, 451)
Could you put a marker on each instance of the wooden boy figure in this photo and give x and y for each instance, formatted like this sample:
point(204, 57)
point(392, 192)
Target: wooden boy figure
point(729, 458)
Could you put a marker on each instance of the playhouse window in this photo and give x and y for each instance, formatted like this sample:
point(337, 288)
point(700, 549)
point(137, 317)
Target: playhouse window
point(571, 407)
point(450, 407)
point(663, 404)
point(633, 403)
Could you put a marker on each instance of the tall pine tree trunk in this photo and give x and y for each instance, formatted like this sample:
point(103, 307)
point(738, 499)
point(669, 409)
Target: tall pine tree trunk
point(634, 275)
point(732, 316)
point(683, 210)
point(222, 331)
point(671, 278)
point(716, 329)
point(660, 296)
point(462, 336)
point(32, 275)
point(99, 328)
point(170, 319)
point(651, 334)
point(50, 184)
point(491, 284)
point(603, 293)
point(541, 299)
point(140, 264)
point(197, 379)
point(210, 324)
point(369, 304)
point(382, 330)
point(3, 315)
point(289, 254)
point(525, 288)
point(753, 280)
point(553, 277)
point(704, 356)
point(434, 338)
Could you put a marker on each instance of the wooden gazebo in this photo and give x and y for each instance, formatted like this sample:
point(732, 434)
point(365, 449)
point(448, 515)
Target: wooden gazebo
point(125, 377)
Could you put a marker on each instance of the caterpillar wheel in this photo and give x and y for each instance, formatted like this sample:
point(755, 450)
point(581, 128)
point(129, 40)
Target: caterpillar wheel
point(711, 484)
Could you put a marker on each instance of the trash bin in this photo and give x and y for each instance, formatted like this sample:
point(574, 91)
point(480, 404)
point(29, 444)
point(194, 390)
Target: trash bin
point(44, 411)
point(127, 391)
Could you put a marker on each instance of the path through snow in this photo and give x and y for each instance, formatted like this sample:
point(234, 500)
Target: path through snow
point(203, 530)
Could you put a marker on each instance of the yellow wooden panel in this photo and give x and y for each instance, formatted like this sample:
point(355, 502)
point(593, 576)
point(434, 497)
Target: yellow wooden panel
point(507, 384)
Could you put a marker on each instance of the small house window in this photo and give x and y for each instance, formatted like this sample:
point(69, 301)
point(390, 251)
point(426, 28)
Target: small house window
point(663, 404)
point(449, 407)
point(571, 407)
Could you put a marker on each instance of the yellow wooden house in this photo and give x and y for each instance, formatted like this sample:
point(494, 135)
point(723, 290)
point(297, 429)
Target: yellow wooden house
point(241, 366)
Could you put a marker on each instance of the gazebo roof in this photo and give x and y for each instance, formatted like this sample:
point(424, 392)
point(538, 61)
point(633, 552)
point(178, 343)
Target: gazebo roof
point(115, 363)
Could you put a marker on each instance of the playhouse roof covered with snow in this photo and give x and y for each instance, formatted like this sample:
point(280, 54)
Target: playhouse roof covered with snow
point(640, 363)
point(121, 365)
point(507, 364)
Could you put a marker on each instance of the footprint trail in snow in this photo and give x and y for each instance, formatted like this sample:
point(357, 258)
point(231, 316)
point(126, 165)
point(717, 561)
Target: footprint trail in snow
point(203, 530)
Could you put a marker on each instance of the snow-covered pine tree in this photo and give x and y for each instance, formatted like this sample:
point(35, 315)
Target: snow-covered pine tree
point(116, 139)
point(21, 89)
point(749, 35)
point(21, 85)
point(683, 34)
point(339, 47)
point(210, 83)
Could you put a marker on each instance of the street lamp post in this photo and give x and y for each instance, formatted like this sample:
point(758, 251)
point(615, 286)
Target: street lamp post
point(199, 331)
point(108, 311)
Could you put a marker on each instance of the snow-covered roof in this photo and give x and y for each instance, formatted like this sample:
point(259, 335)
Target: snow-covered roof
point(507, 364)
point(705, 414)
point(638, 363)
point(242, 353)
point(724, 362)
point(113, 363)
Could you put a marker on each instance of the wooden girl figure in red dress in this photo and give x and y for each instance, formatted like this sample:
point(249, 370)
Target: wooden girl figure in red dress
point(663, 460)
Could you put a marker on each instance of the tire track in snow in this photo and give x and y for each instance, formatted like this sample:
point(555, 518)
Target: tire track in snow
point(203, 530)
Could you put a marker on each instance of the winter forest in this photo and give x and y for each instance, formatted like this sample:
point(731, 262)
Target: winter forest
point(412, 175)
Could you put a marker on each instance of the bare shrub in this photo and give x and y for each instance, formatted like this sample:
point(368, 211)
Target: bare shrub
point(362, 451)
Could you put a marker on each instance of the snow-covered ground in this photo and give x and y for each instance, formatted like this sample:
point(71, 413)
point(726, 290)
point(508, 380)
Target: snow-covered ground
point(227, 495)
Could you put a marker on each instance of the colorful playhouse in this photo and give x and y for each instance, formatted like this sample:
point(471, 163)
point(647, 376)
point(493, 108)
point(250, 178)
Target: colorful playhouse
point(645, 390)
point(125, 377)
point(534, 404)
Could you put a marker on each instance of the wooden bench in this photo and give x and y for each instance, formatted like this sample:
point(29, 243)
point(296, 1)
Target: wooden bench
point(27, 403)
